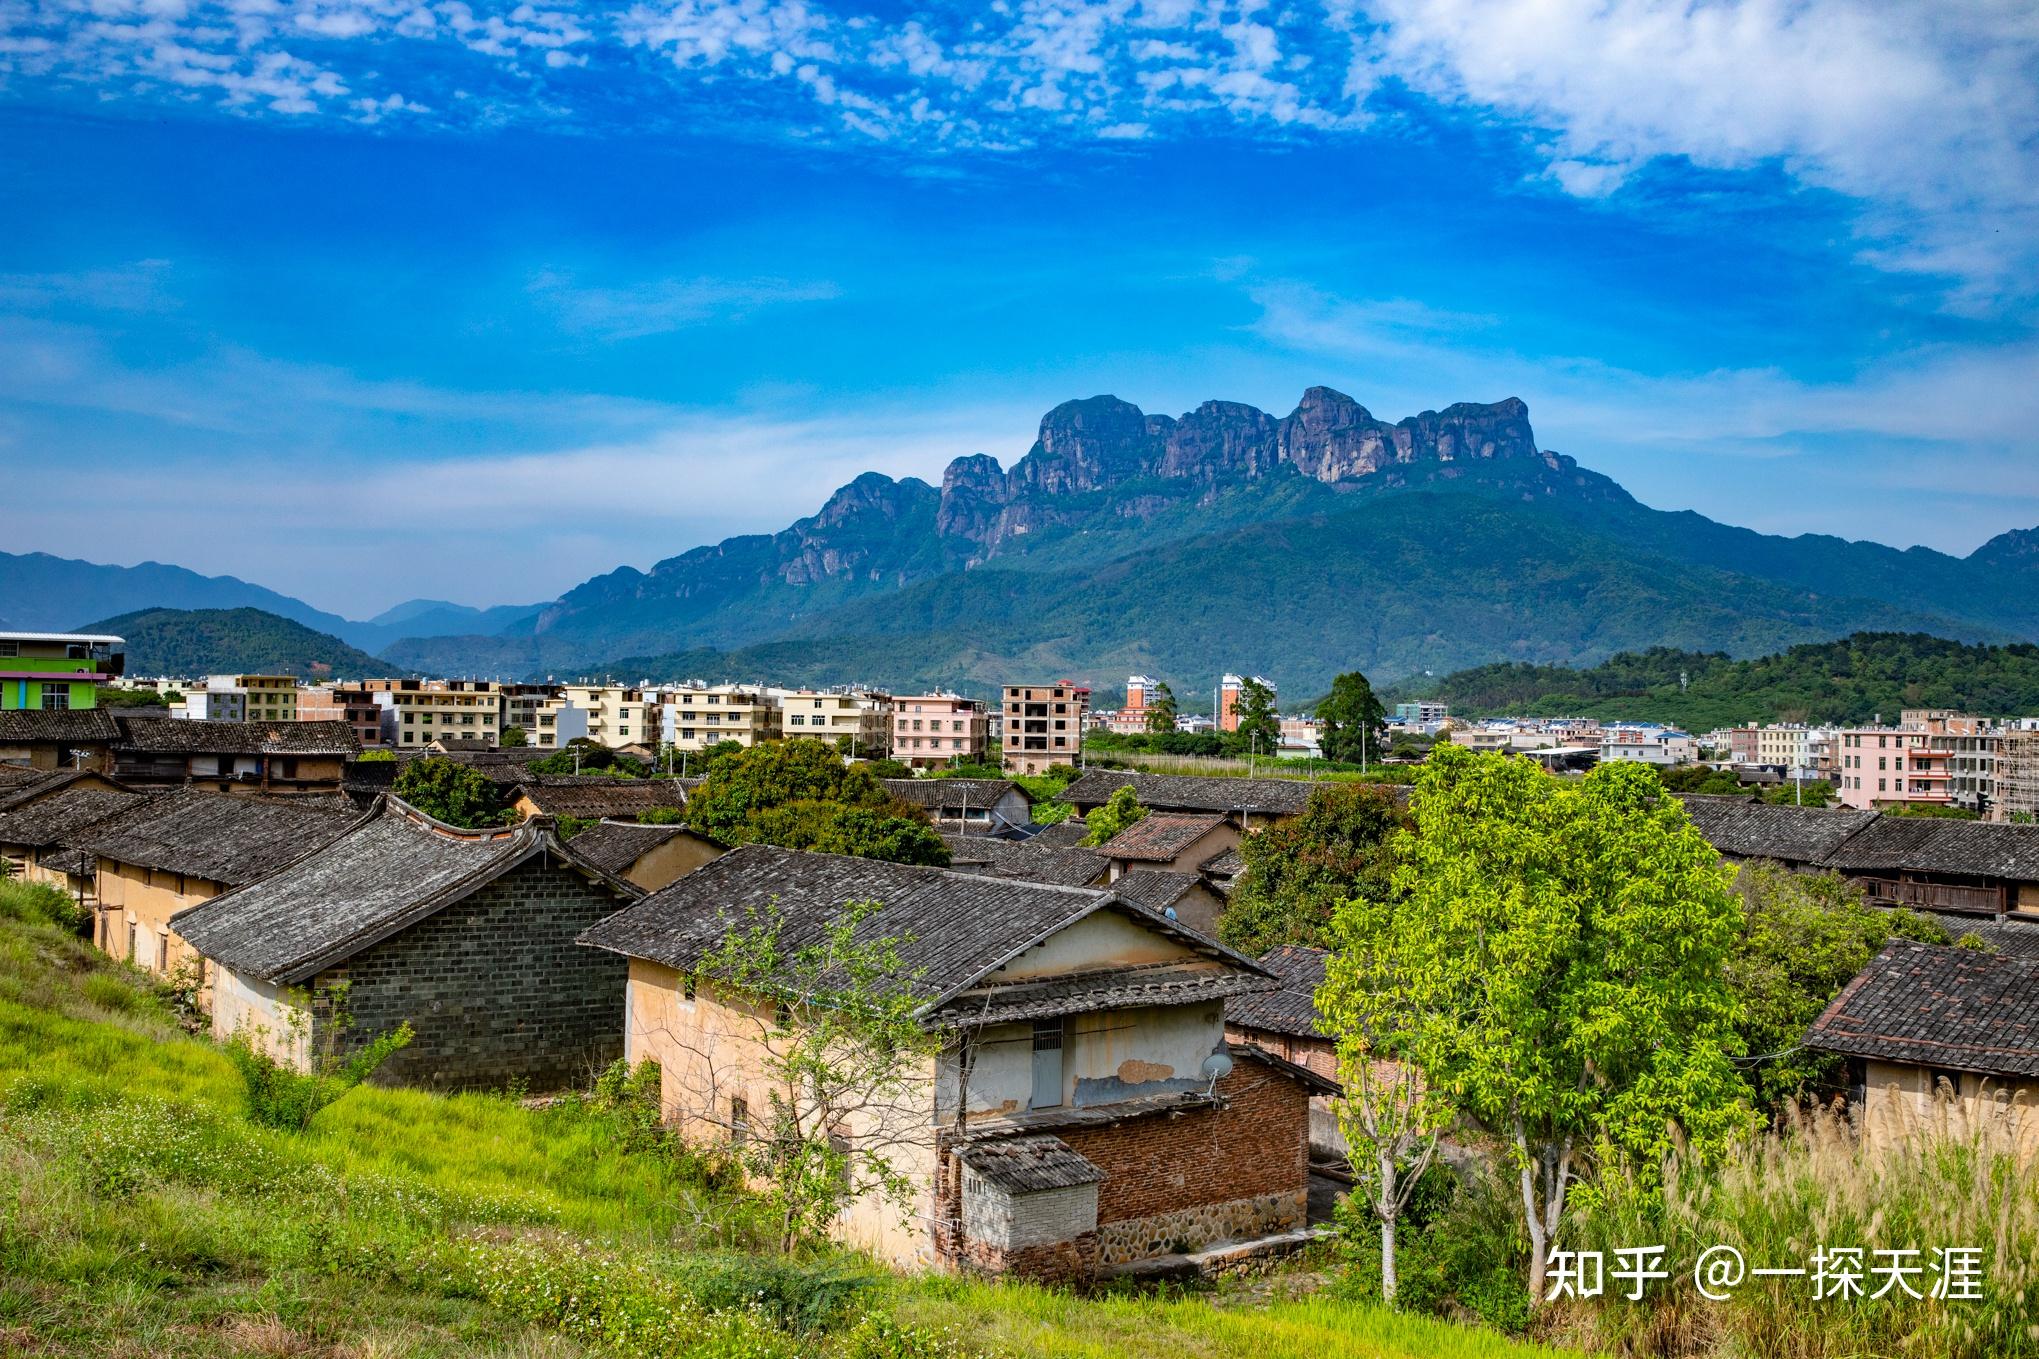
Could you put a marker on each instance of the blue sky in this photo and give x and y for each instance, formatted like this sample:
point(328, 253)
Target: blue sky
point(373, 299)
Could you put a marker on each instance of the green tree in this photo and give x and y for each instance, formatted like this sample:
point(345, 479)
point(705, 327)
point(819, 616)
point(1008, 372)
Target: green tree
point(514, 738)
point(840, 1049)
point(832, 828)
point(1259, 727)
point(1355, 723)
point(885, 767)
point(1299, 871)
point(1390, 1116)
point(661, 816)
point(458, 794)
point(1803, 937)
point(800, 795)
point(1567, 954)
point(1161, 712)
point(1121, 810)
point(750, 780)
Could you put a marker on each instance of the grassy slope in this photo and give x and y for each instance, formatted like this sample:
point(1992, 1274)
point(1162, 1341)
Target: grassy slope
point(140, 1213)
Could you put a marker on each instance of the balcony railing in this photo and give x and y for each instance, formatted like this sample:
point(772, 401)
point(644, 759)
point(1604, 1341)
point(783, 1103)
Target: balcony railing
point(1935, 896)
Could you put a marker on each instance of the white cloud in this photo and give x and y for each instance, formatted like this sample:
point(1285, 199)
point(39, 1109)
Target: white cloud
point(1955, 421)
point(658, 306)
point(1926, 111)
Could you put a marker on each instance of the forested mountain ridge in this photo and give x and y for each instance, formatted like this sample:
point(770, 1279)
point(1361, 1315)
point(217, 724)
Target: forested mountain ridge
point(192, 642)
point(1854, 680)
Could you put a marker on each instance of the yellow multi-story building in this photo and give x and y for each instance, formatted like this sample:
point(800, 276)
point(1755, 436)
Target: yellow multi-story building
point(424, 711)
point(696, 716)
point(864, 718)
point(612, 715)
point(271, 698)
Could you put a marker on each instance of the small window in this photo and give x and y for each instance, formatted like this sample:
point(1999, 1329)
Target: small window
point(56, 697)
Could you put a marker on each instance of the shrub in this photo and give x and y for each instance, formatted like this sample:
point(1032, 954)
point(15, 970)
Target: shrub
point(38, 903)
point(1461, 1250)
point(279, 1095)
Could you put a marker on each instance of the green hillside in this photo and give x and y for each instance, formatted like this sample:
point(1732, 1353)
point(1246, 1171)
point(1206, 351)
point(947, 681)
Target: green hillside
point(1394, 586)
point(1851, 680)
point(234, 641)
point(143, 1212)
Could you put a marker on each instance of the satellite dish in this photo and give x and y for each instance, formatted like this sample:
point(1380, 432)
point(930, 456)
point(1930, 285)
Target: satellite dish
point(1216, 1067)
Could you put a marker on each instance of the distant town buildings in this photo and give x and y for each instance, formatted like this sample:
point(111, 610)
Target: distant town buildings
point(417, 712)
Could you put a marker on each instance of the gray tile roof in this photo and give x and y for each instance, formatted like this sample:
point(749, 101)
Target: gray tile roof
point(159, 737)
point(1229, 864)
point(2011, 938)
point(1153, 888)
point(1918, 844)
point(1063, 834)
point(1025, 1165)
point(955, 927)
point(939, 795)
point(1292, 1007)
point(48, 820)
point(614, 846)
point(1159, 836)
point(1027, 860)
point(40, 783)
point(72, 726)
point(1115, 988)
point(1742, 829)
point(1192, 793)
point(595, 796)
point(221, 837)
point(1925, 1005)
point(393, 869)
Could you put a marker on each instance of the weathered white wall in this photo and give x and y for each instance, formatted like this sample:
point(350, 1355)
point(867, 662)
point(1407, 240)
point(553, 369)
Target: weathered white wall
point(258, 1009)
point(1010, 1222)
point(1099, 939)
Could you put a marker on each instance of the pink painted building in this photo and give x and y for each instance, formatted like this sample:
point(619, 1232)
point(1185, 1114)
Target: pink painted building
point(1879, 766)
point(930, 730)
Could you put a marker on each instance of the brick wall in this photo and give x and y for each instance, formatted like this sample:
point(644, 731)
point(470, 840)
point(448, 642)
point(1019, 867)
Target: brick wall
point(495, 987)
point(1248, 1154)
point(1255, 1143)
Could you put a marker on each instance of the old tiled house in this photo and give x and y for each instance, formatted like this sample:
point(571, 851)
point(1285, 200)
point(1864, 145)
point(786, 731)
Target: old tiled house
point(1940, 1037)
point(1086, 1111)
point(276, 759)
point(1028, 860)
point(594, 798)
point(967, 806)
point(649, 856)
point(164, 853)
point(58, 738)
point(468, 935)
point(1248, 803)
point(36, 818)
point(1284, 1021)
point(1170, 842)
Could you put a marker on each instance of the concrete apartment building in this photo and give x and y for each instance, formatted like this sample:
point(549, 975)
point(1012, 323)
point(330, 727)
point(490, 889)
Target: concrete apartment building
point(2016, 795)
point(695, 717)
point(522, 706)
point(930, 730)
point(1043, 725)
point(1231, 692)
point(617, 715)
point(56, 671)
point(1131, 717)
point(352, 704)
point(862, 717)
point(418, 712)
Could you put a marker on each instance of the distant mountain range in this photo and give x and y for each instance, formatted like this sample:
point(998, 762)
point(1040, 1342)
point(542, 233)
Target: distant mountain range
point(1227, 538)
point(191, 642)
point(40, 591)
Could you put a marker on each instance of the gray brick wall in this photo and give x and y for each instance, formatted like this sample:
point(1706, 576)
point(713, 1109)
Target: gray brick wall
point(496, 988)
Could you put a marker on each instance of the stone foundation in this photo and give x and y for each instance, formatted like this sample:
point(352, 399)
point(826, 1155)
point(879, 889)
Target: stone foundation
point(1193, 1228)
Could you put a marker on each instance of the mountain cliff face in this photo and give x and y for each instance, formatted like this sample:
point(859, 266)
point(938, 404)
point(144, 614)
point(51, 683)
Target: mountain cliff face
point(1318, 540)
point(1100, 467)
